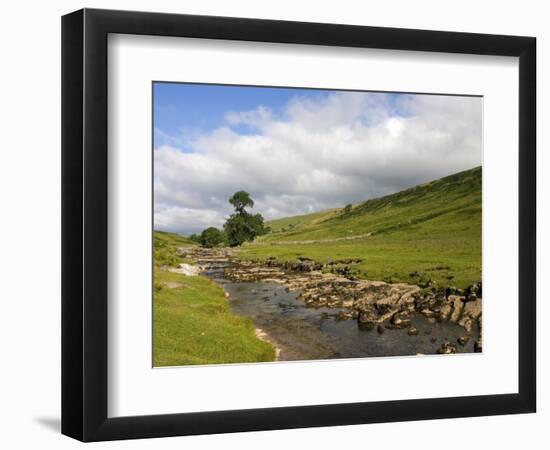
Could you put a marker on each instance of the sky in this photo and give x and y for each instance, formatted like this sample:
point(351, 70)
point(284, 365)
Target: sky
point(298, 151)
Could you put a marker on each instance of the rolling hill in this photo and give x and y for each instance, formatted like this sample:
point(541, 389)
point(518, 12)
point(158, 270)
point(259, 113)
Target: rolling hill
point(428, 233)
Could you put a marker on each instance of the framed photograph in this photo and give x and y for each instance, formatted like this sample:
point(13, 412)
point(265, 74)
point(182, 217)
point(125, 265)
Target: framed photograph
point(272, 224)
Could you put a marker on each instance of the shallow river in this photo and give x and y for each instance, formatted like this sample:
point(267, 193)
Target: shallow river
point(303, 332)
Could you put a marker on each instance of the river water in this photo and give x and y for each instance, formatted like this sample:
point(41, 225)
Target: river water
point(303, 333)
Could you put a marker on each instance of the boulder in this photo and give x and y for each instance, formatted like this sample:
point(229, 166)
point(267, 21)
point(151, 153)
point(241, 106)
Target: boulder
point(466, 323)
point(457, 307)
point(401, 320)
point(186, 269)
point(478, 348)
point(472, 309)
point(427, 313)
point(446, 349)
point(445, 312)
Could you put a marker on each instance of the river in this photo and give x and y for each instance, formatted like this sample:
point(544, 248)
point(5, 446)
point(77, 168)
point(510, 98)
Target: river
point(304, 333)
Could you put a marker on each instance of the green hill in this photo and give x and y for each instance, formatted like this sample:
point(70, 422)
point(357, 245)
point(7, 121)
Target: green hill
point(428, 232)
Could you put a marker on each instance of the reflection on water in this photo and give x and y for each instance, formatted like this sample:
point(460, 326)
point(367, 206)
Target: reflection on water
point(303, 332)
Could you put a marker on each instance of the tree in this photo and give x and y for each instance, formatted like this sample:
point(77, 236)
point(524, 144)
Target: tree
point(240, 200)
point(347, 208)
point(211, 237)
point(195, 238)
point(242, 226)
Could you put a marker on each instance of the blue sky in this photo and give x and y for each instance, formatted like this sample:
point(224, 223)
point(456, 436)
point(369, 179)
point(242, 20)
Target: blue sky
point(197, 108)
point(298, 150)
point(182, 109)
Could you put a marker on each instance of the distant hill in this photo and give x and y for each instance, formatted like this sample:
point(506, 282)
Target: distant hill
point(433, 229)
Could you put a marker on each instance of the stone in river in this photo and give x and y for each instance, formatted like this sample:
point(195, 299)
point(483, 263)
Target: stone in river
point(446, 349)
point(477, 346)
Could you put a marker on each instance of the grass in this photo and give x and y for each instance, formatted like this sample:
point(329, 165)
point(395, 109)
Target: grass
point(293, 223)
point(432, 231)
point(193, 323)
point(165, 248)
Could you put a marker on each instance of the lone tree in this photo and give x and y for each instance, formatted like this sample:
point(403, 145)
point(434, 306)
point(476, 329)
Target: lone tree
point(211, 237)
point(240, 200)
point(242, 226)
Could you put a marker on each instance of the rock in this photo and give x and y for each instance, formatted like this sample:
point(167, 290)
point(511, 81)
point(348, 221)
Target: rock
point(428, 331)
point(463, 340)
point(440, 296)
point(466, 323)
point(477, 346)
point(426, 302)
point(433, 340)
point(472, 309)
point(413, 331)
point(427, 313)
point(380, 329)
point(446, 349)
point(367, 316)
point(457, 305)
point(344, 315)
point(401, 320)
point(474, 291)
point(450, 290)
point(445, 312)
point(186, 269)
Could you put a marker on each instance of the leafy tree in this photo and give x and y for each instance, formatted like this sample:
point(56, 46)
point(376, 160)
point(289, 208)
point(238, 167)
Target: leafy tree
point(195, 237)
point(347, 208)
point(242, 226)
point(240, 200)
point(211, 237)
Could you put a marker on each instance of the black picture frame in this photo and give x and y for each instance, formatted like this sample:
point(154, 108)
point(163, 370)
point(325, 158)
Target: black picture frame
point(84, 224)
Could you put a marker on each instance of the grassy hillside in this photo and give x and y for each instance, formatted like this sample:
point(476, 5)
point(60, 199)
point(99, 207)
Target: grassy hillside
point(295, 222)
point(428, 232)
point(192, 320)
point(165, 246)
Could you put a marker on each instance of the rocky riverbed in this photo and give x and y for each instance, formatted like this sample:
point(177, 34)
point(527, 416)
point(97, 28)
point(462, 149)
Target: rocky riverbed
point(372, 305)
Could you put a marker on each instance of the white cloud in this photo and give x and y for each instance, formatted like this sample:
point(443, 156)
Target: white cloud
point(320, 153)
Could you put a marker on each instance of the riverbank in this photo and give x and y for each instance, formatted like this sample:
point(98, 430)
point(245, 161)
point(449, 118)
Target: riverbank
point(192, 320)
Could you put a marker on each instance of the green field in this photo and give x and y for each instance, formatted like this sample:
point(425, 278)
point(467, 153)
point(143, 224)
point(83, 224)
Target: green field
point(193, 323)
point(430, 232)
